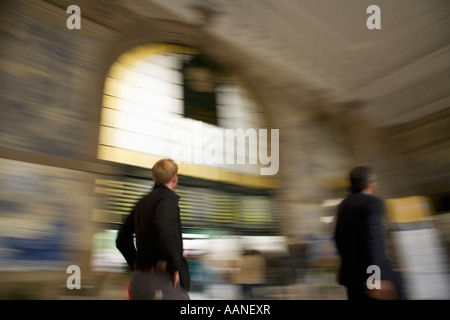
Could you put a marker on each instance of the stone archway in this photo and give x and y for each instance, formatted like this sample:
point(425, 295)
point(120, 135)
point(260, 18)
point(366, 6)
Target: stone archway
point(305, 179)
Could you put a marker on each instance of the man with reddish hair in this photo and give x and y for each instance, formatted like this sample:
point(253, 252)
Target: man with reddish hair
point(160, 270)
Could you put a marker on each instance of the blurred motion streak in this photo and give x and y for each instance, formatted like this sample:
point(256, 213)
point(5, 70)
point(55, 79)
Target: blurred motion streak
point(85, 113)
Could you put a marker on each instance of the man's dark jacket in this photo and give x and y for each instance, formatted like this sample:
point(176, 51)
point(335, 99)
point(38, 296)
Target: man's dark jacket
point(360, 240)
point(157, 224)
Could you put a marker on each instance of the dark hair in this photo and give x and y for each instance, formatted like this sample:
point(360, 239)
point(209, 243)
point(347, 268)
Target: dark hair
point(360, 177)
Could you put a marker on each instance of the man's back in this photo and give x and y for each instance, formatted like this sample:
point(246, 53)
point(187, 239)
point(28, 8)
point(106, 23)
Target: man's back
point(359, 239)
point(158, 229)
point(159, 267)
point(155, 220)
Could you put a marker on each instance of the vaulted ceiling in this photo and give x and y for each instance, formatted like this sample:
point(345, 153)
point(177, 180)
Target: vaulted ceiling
point(399, 73)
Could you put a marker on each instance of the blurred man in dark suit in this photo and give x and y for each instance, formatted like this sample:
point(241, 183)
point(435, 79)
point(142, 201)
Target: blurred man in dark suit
point(360, 242)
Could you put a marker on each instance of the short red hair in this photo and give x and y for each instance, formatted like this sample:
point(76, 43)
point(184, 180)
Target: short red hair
point(164, 170)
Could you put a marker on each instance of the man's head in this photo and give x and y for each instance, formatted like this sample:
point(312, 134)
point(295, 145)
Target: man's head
point(363, 179)
point(164, 172)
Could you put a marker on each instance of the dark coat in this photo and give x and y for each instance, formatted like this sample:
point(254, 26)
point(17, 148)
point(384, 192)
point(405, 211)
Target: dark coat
point(360, 240)
point(156, 222)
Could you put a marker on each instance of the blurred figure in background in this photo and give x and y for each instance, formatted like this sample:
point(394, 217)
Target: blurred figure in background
point(297, 256)
point(359, 240)
point(250, 272)
point(160, 271)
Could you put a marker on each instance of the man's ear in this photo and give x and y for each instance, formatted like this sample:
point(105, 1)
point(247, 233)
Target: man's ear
point(174, 180)
point(372, 185)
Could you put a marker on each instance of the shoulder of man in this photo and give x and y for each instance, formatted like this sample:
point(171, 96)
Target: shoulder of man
point(374, 199)
point(166, 193)
point(375, 205)
point(361, 199)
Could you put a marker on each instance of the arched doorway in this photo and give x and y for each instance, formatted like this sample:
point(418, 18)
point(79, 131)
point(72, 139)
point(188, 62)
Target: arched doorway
point(166, 100)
